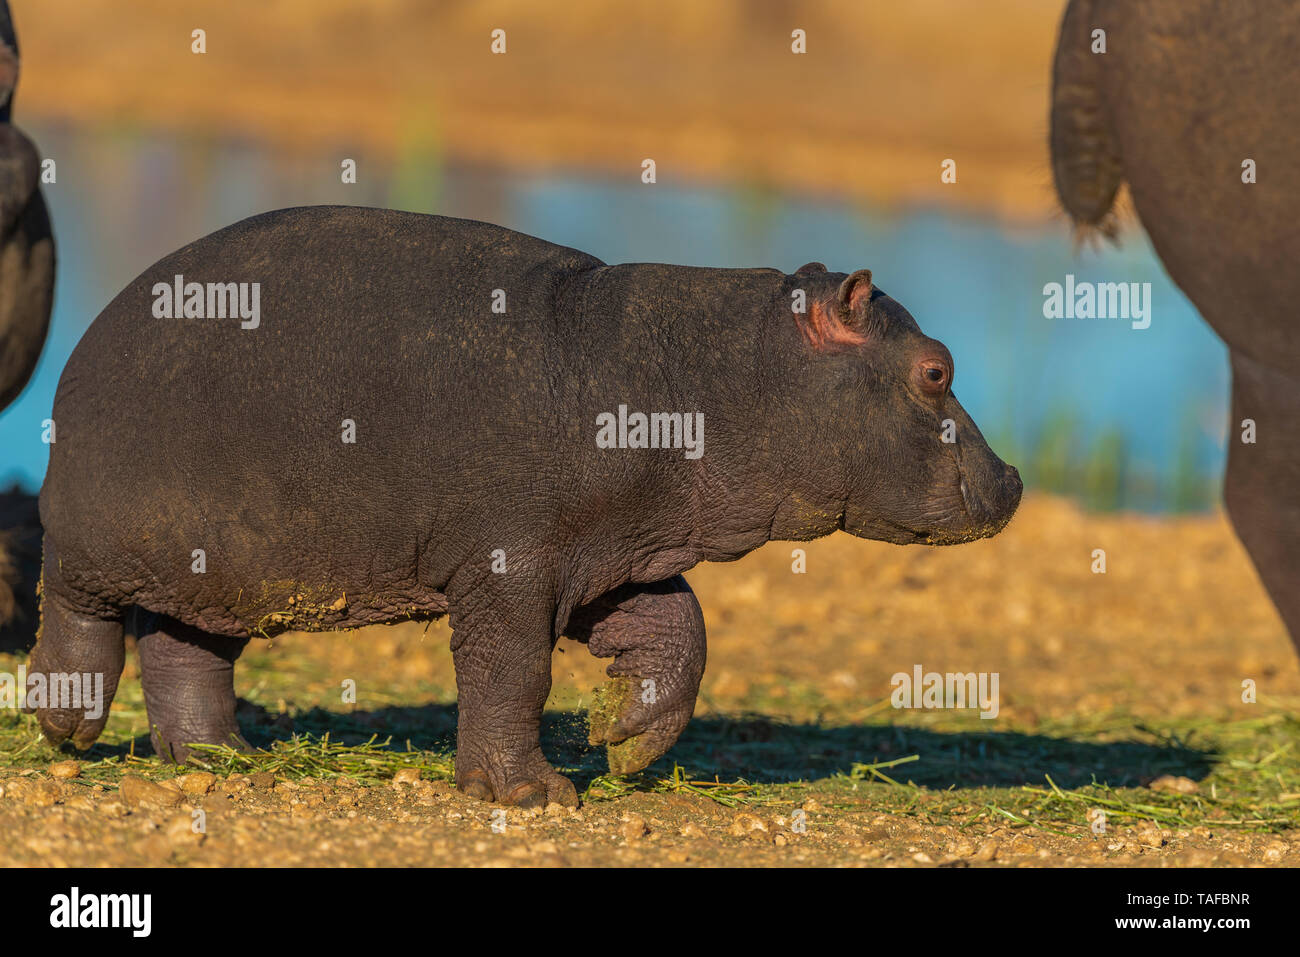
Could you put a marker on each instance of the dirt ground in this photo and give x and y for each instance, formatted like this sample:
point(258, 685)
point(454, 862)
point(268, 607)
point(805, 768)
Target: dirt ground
point(1120, 692)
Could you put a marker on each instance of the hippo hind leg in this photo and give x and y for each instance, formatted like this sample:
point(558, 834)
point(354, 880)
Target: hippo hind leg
point(73, 672)
point(1260, 488)
point(188, 676)
point(655, 634)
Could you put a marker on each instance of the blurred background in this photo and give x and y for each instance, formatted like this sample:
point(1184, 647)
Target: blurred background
point(764, 158)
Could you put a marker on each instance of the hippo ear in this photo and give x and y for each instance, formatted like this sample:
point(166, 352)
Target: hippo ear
point(810, 269)
point(842, 322)
point(854, 292)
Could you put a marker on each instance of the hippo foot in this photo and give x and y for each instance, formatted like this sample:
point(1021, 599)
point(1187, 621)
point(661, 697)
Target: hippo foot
point(655, 633)
point(537, 784)
point(175, 738)
point(189, 687)
point(73, 674)
point(634, 724)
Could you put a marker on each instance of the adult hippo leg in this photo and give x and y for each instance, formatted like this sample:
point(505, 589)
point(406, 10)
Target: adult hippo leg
point(655, 633)
point(188, 676)
point(1262, 486)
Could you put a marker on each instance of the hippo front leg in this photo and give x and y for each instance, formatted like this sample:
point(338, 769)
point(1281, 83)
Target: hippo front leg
point(655, 633)
point(501, 646)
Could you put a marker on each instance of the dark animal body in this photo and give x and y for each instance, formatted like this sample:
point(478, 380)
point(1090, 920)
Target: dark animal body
point(1186, 92)
point(475, 485)
point(26, 241)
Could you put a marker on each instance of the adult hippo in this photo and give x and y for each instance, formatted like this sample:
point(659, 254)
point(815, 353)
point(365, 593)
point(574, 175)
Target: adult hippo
point(26, 242)
point(1196, 105)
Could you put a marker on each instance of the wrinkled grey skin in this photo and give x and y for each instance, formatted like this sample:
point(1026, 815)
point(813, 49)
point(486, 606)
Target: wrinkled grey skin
point(1188, 90)
point(26, 243)
point(476, 443)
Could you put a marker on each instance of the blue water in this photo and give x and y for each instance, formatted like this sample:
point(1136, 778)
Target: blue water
point(122, 201)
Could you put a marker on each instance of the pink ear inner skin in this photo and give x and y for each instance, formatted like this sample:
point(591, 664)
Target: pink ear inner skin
point(823, 329)
point(861, 293)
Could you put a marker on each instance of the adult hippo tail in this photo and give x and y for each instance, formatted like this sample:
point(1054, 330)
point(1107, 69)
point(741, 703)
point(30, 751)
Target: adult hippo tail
point(1196, 104)
point(328, 417)
point(26, 242)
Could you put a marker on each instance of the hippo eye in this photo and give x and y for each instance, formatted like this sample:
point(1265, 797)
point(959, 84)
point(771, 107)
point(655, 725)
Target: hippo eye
point(933, 376)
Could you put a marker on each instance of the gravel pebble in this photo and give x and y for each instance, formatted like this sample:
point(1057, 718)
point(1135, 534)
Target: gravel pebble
point(200, 782)
point(634, 828)
point(137, 791)
point(744, 824)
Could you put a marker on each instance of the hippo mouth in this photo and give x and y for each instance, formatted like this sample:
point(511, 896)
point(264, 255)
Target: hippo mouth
point(881, 529)
point(956, 517)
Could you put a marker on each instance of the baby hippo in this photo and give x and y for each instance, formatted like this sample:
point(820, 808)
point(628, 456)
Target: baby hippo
point(327, 417)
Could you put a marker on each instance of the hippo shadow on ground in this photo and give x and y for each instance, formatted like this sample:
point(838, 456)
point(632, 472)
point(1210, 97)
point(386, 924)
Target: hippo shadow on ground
point(762, 749)
point(426, 727)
